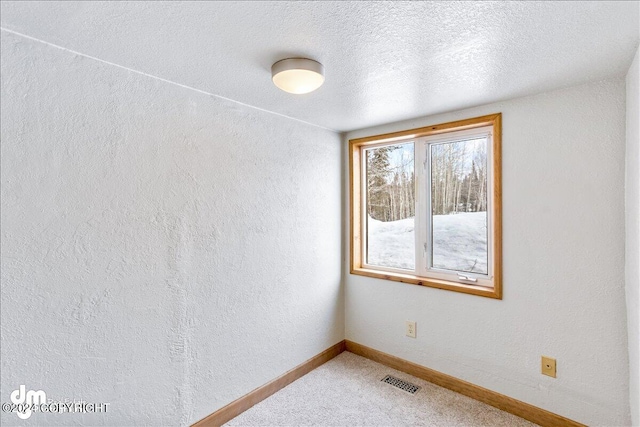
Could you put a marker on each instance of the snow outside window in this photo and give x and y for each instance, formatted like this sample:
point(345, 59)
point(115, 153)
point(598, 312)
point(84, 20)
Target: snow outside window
point(426, 207)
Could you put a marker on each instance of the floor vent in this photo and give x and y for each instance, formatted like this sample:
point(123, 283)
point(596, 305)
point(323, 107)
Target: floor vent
point(401, 384)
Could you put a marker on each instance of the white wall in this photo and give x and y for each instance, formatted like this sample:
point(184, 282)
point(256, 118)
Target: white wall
point(632, 252)
point(563, 225)
point(162, 250)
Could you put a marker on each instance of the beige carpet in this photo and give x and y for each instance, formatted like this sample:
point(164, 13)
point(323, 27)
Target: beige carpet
point(347, 391)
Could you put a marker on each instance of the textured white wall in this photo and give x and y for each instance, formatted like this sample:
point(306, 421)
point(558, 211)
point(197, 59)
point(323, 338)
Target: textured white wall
point(162, 250)
point(632, 220)
point(563, 207)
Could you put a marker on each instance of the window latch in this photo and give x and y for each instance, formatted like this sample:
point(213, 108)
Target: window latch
point(467, 278)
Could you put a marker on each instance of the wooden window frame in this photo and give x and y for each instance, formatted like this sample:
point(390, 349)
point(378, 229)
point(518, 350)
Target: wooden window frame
point(356, 146)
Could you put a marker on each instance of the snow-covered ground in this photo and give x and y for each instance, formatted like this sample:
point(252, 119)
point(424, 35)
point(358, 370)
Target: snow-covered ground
point(460, 242)
point(391, 244)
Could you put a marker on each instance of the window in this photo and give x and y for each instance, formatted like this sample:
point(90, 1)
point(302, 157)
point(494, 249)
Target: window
point(426, 206)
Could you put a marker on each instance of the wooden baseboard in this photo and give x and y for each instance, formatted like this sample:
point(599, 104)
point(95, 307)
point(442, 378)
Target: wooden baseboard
point(245, 402)
point(500, 401)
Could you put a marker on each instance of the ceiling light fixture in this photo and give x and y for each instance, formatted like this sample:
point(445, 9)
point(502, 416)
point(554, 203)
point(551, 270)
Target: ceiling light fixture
point(297, 75)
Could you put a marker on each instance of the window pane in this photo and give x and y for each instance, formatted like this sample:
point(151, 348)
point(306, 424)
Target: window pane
point(390, 206)
point(459, 205)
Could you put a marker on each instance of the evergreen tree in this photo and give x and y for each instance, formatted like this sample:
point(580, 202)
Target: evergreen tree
point(378, 200)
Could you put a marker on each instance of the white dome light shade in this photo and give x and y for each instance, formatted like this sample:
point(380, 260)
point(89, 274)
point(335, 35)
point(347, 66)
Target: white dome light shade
point(297, 75)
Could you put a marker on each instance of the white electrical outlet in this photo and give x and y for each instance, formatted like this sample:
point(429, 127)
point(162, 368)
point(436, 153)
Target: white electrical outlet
point(411, 329)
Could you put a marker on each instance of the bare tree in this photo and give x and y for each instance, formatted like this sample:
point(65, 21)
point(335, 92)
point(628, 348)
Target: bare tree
point(390, 185)
point(455, 188)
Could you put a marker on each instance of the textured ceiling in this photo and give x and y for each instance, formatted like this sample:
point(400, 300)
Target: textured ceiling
point(384, 61)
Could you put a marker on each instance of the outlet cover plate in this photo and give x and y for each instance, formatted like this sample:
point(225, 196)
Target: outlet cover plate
point(548, 366)
point(411, 329)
